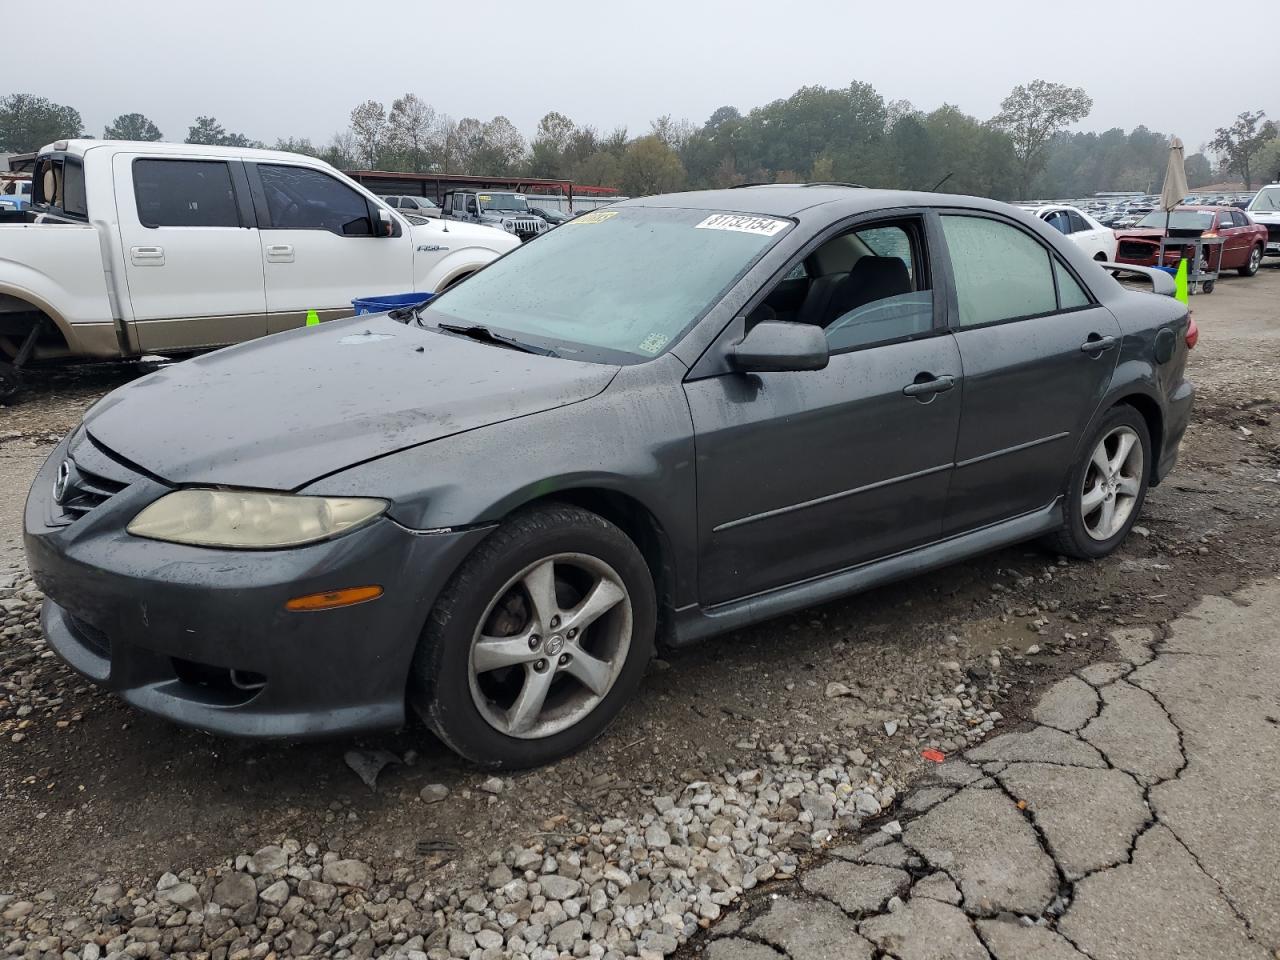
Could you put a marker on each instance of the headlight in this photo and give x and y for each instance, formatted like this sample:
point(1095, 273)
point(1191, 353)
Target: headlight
point(249, 520)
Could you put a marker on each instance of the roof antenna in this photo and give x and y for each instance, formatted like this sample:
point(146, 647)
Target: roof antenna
point(942, 181)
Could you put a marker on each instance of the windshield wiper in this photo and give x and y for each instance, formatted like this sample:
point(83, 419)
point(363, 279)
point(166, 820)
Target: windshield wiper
point(483, 334)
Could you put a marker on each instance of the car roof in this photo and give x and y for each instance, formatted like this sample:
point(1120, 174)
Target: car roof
point(791, 199)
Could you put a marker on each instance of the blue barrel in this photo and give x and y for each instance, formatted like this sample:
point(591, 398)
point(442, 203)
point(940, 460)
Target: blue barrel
point(390, 301)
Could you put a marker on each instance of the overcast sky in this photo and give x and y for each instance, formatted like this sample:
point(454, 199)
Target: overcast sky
point(278, 68)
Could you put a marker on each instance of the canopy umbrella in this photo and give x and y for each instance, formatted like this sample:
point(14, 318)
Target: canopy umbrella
point(1175, 182)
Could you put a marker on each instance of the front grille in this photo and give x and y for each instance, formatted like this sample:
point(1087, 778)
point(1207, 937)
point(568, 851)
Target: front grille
point(86, 490)
point(1136, 250)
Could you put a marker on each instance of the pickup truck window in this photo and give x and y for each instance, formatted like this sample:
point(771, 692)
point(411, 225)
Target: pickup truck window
point(59, 186)
point(299, 198)
point(184, 193)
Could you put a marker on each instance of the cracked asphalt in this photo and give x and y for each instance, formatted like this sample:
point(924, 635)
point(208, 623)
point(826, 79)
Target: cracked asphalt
point(1135, 816)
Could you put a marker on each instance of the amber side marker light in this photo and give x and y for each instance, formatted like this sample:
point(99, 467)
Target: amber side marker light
point(332, 599)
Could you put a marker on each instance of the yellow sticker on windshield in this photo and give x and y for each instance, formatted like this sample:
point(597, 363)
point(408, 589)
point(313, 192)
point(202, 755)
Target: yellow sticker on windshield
point(485, 197)
point(596, 216)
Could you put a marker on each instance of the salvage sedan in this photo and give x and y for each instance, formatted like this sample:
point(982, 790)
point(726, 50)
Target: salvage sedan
point(662, 421)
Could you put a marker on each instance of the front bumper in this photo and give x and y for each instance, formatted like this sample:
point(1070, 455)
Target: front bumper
point(202, 636)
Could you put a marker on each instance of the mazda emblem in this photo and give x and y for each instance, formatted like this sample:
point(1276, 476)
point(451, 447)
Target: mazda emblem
point(60, 484)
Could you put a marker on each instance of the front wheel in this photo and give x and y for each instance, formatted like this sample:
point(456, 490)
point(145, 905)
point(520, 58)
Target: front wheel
point(1107, 487)
point(1255, 262)
point(538, 641)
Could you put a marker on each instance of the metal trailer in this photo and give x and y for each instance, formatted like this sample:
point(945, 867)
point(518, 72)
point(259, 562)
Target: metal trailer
point(1200, 271)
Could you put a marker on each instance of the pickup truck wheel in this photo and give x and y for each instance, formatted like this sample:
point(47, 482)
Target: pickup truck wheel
point(10, 380)
point(538, 641)
point(1255, 261)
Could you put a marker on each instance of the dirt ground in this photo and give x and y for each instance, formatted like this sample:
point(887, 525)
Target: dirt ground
point(93, 789)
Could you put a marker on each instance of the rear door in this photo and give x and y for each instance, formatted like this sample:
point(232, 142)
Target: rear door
point(1235, 240)
point(193, 262)
point(1038, 353)
point(319, 246)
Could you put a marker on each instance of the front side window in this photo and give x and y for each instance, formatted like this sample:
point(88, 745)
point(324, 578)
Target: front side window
point(184, 193)
point(886, 294)
point(1000, 272)
point(616, 285)
point(299, 198)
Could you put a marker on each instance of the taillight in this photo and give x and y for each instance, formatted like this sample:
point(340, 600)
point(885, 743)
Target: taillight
point(1193, 332)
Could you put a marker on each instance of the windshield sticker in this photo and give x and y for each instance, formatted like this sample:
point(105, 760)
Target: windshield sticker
point(653, 343)
point(596, 216)
point(485, 197)
point(739, 223)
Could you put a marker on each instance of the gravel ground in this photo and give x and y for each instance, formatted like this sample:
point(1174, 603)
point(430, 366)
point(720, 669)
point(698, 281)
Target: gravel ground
point(743, 758)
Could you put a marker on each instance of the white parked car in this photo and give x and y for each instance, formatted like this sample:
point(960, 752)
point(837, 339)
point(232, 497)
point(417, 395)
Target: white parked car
point(1092, 236)
point(173, 248)
point(1265, 209)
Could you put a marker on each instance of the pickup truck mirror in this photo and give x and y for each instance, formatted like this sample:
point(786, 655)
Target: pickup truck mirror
point(776, 346)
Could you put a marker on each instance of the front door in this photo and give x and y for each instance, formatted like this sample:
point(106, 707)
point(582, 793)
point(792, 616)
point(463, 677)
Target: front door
point(319, 248)
point(192, 258)
point(1038, 355)
point(804, 473)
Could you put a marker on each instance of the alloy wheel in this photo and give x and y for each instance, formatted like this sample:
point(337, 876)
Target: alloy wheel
point(1255, 260)
point(550, 645)
point(1112, 483)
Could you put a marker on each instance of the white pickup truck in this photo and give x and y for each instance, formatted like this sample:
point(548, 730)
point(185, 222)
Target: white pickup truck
point(173, 248)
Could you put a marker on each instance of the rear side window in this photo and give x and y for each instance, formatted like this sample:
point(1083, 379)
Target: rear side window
point(1078, 223)
point(299, 198)
point(1071, 295)
point(184, 193)
point(58, 187)
point(1000, 272)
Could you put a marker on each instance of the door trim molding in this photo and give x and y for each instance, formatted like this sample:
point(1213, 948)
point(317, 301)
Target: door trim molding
point(1014, 449)
point(817, 501)
point(695, 623)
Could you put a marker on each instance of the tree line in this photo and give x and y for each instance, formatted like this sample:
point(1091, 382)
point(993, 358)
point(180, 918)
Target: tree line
point(849, 134)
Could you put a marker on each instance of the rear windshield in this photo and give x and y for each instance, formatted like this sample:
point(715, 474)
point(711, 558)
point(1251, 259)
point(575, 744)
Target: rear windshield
point(615, 285)
point(1267, 199)
point(1179, 220)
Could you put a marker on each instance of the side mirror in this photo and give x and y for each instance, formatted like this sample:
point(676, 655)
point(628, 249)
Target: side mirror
point(775, 346)
point(384, 226)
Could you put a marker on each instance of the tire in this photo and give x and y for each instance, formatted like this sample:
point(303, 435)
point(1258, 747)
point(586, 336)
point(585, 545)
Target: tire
point(1255, 262)
point(489, 648)
point(1084, 534)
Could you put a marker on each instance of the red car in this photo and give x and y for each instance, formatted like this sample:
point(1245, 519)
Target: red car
point(1244, 242)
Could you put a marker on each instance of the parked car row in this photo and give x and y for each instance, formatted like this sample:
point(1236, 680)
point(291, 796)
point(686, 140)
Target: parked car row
point(1244, 242)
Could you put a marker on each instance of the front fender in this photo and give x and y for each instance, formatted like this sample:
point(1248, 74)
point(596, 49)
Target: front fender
point(434, 275)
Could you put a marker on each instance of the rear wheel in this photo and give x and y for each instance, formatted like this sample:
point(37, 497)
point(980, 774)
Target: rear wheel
point(1255, 262)
point(538, 641)
point(1107, 487)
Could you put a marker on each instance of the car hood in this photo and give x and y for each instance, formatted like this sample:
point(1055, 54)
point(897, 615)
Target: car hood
point(280, 412)
point(1265, 216)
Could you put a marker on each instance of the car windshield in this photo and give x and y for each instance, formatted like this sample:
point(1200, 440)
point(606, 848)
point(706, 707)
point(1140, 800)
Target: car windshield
point(612, 285)
point(1267, 199)
point(507, 202)
point(1179, 220)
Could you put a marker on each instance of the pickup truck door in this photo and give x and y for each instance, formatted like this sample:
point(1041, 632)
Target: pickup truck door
point(319, 250)
point(192, 259)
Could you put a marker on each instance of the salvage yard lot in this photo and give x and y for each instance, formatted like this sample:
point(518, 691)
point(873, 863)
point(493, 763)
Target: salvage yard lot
point(93, 794)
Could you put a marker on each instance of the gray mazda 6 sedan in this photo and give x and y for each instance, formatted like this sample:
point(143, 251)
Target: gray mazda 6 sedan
point(663, 420)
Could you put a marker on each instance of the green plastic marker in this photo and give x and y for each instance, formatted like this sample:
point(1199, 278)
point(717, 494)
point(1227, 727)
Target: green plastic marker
point(1180, 282)
point(313, 319)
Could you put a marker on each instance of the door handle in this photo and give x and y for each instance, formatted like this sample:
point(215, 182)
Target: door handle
point(146, 256)
point(1097, 344)
point(280, 253)
point(929, 387)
